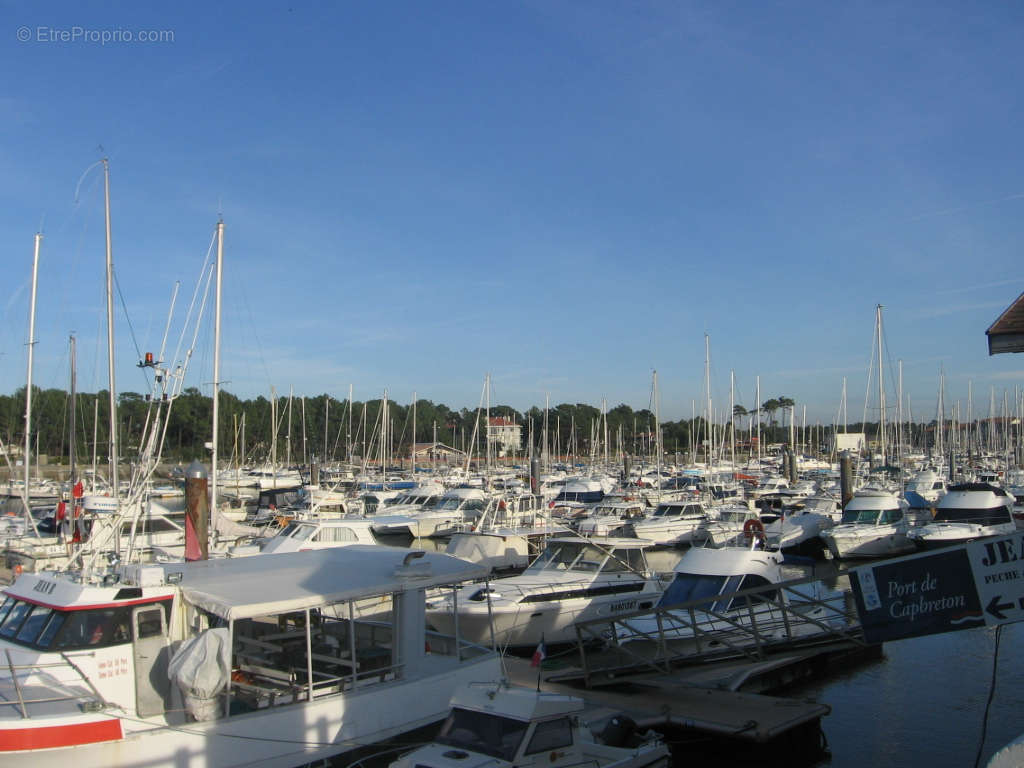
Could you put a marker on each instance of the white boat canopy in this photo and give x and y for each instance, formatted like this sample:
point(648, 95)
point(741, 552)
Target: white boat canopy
point(241, 588)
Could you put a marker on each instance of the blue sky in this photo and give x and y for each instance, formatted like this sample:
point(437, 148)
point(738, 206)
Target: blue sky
point(567, 195)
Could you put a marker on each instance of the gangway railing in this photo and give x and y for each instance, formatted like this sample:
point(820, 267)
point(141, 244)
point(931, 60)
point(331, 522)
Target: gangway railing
point(750, 623)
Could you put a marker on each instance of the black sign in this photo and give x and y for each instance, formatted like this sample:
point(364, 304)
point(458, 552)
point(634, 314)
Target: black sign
point(917, 595)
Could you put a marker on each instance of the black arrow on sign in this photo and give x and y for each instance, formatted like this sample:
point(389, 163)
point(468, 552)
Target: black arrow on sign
point(996, 608)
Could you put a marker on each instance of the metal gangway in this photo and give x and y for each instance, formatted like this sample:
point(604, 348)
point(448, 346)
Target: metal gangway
point(749, 624)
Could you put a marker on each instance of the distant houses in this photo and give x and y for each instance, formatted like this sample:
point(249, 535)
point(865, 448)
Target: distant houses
point(504, 435)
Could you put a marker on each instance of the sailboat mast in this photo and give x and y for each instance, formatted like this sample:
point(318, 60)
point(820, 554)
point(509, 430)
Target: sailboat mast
point(732, 417)
point(216, 368)
point(881, 385)
point(707, 393)
point(28, 381)
point(112, 456)
point(758, 401)
point(74, 397)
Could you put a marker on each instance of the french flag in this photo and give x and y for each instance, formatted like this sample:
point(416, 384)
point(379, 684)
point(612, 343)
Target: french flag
point(539, 655)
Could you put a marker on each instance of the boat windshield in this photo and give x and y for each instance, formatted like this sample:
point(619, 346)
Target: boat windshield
point(991, 516)
point(860, 516)
point(491, 735)
point(45, 628)
point(697, 586)
point(453, 503)
point(568, 556)
point(667, 510)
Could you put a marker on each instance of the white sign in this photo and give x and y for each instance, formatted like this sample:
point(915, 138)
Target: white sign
point(998, 568)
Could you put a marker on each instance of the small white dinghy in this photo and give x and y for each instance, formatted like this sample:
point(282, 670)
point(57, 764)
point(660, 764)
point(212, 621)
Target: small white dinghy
point(501, 726)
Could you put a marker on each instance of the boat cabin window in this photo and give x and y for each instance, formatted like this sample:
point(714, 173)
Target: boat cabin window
point(491, 735)
point(667, 510)
point(991, 516)
point(569, 556)
point(552, 734)
point(45, 628)
point(302, 532)
point(860, 516)
point(335, 534)
point(625, 560)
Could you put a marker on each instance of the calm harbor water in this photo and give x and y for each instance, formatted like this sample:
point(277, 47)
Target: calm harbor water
point(923, 703)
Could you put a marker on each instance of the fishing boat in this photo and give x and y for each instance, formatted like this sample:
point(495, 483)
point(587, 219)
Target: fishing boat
point(572, 579)
point(275, 671)
point(502, 726)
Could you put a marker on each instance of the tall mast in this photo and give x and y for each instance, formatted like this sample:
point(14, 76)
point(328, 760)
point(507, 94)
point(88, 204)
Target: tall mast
point(28, 381)
point(273, 433)
point(112, 456)
point(881, 385)
point(288, 436)
point(707, 392)
point(327, 419)
point(758, 387)
point(216, 369)
point(657, 430)
point(732, 417)
point(74, 397)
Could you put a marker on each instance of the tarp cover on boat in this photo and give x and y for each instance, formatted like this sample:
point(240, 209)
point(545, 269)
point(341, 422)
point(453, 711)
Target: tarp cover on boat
point(201, 668)
point(265, 585)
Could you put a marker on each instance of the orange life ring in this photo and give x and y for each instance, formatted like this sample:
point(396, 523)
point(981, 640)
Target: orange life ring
point(753, 527)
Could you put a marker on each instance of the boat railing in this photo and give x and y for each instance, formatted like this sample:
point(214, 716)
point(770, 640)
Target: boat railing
point(749, 623)
point(21, 700)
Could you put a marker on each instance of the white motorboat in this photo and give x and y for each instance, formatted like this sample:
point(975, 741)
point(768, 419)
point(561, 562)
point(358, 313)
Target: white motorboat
point(305, 534)
point(572, 579)
point(497, 725)
point(458, 507)
point(609, 517)
point(701, 600)
point(732, 524)
point(874, 524)
point(927, 484)
point(273, 667)
point(508, 535)
point(672, 523)
point(967, 511)
point(799, 530)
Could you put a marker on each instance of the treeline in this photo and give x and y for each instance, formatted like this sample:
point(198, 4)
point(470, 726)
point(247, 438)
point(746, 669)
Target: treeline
point(329, 429)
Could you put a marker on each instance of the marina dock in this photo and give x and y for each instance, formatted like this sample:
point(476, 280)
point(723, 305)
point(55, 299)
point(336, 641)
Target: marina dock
point(702, 709)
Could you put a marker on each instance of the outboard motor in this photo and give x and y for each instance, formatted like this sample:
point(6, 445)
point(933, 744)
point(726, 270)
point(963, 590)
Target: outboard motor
point(619, 732)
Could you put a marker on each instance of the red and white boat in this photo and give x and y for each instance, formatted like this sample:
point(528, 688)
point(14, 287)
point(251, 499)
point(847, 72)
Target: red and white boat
point(277, 660)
